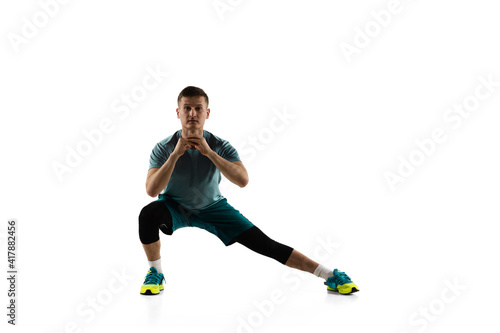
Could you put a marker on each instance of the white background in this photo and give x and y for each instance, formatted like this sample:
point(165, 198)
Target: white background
point(320, 177)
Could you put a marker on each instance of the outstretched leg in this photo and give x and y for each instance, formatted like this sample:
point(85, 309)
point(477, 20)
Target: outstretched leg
point(299, 261)
point(257, 241)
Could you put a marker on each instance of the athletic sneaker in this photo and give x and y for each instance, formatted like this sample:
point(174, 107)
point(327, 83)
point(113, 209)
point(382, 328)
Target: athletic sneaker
point(341, 282)
point(153, 283)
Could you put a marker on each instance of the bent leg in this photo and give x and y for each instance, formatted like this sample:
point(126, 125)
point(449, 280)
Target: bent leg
point(152, 218)
point(152, 250)
point(257, 241)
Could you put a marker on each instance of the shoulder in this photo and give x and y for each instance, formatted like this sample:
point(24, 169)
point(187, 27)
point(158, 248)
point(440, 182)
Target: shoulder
point(169, 140)
point(222, 147)
point(167, 145)
point(214, 140)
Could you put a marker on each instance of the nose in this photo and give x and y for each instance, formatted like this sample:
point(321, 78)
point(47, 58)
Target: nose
point(192, 113)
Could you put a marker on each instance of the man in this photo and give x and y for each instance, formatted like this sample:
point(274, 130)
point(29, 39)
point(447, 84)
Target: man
point(185, 172)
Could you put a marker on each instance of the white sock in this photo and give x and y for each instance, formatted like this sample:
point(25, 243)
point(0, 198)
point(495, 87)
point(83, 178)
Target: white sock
point(156, 264)
point(323, 272)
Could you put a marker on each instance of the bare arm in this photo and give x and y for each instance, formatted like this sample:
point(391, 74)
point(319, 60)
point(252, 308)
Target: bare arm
point(158, 178)
point(234, 171)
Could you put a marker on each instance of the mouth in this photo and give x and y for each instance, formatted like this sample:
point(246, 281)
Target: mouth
point(192, 121)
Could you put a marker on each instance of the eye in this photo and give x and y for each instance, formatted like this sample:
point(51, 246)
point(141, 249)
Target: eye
point(198, 108)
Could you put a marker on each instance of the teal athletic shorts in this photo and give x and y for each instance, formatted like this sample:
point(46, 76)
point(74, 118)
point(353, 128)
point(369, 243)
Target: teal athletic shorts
point(220, 219)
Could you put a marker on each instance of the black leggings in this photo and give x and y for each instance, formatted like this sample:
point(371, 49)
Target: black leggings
point(259, 242)
point(153, 217)
point(156, 216)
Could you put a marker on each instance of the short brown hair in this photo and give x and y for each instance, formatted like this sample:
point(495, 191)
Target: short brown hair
point(191, 91)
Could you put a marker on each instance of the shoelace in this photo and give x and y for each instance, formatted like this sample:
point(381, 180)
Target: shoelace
point(153, 278)
point(339, 278)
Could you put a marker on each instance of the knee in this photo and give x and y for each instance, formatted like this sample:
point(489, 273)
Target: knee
point(148, 230)
point(154, 215)
point(143, 215)
point(147, 215)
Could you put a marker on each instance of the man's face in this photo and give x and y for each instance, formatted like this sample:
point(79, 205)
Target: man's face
point(192, 112)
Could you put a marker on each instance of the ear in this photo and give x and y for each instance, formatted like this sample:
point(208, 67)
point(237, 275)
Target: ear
point(208, 113)
point(177, 110)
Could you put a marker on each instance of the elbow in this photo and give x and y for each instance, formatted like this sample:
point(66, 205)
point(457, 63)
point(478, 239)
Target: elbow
point(150, 191)
point(243, 182)
point(151, 194)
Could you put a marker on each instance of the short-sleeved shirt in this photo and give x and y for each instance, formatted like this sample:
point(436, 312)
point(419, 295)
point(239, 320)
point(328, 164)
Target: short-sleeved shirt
point(194, 183)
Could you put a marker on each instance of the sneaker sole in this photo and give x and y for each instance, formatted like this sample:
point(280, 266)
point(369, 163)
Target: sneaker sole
point(344, 291)
point(150, 292)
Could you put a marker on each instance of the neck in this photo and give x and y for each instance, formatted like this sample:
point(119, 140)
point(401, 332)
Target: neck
point(186, 133)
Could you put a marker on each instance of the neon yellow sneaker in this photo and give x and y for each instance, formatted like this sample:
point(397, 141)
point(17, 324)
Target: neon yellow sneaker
point(341, 282)
point(153, 283)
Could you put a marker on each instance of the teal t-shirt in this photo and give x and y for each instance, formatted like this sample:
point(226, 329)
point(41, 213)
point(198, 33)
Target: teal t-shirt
point(195, 180)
